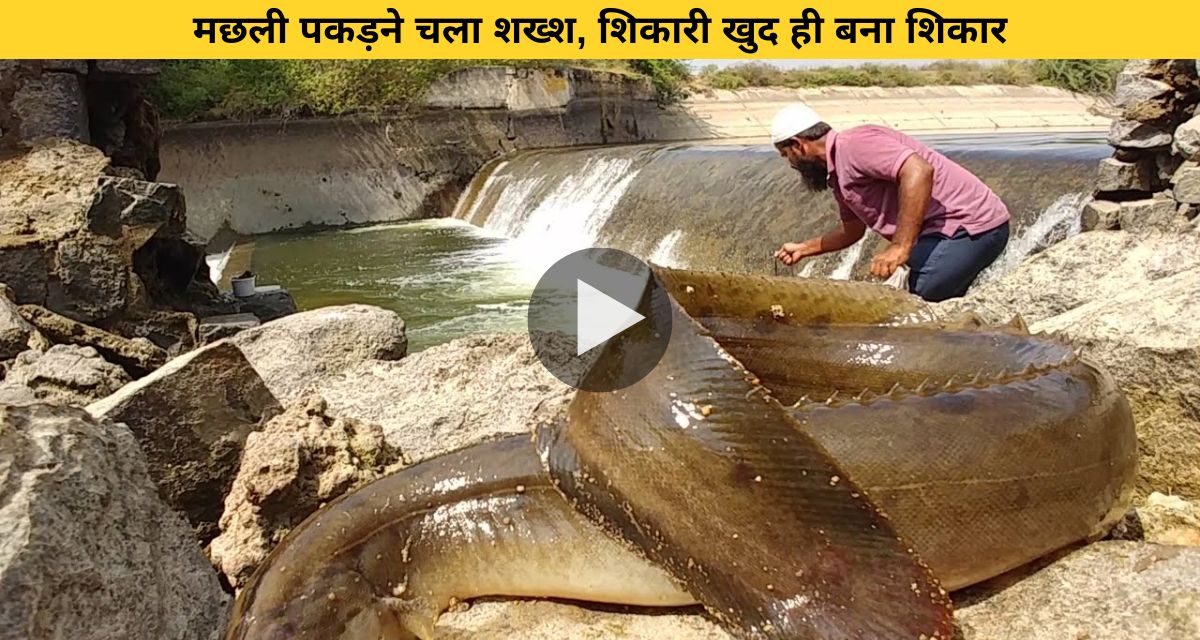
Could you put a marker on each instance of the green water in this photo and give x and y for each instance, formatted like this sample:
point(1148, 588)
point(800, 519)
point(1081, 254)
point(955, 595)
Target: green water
point(446, 278)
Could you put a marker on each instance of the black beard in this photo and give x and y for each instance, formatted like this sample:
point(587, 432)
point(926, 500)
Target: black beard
point(814, 174)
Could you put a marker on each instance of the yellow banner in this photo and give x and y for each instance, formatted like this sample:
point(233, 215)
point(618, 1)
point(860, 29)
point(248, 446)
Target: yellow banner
point(564, 30)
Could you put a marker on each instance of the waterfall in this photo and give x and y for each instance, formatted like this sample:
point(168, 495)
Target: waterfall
point(850, 257)
point(728, 207)
point(1061, 220)
point(664, 251)
point(552, 208)
point(217, 263)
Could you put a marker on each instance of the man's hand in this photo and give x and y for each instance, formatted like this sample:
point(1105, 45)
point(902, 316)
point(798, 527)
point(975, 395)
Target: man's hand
point(890, 259)
point(790, 253)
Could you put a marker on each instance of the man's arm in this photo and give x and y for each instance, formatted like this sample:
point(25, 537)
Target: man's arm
point(915, 179)
point(851, 231)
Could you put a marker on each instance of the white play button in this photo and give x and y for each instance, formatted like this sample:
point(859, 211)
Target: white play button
point(599, 317)
point(599, 320)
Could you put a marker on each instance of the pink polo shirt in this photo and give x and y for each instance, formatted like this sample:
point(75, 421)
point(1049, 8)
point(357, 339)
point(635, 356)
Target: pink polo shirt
point(863, 165)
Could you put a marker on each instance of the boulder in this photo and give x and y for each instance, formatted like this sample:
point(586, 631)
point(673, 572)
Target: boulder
point(193, 414)
point(1163, 519)
point(175, 332)
point(15, 332)
point(1131, 134)
point(1095, 265)
point(90, 551)
point(1187, 139)
point(129, 67)
point(1100, 214)
point(1148, 337)
point(450, 395)
point(191, 417)
point(74, 66)
point(268, 303)
point(1157, 213)
point(300, 460)
point(1167, 164)
point(48, 192)
point(1116, 175)
point(1180, 74)
point(64, 374)
point(1109, 590)
point(1143, 99)
point(1128, 300)
point(214, 328)
point(1112, 590)
point(1187, 183)
point(138, 356)
point(51, 105)
point(62, 215)
point(298, 351)
point(83, 242)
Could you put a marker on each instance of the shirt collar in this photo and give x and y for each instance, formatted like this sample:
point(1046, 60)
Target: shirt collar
point(830, 139)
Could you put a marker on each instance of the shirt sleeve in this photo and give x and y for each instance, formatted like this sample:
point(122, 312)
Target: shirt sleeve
point(876, 155)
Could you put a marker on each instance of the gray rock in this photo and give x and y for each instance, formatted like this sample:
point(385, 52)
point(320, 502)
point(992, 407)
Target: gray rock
point(1126, 299)
point(1131, 134)
point(419, 400)
point(1111, 590)
point(1157, 213)
point(138, 357)
point(1146, 337)
point(193, 414)
point(301, 350)
point(135, 208)
point(66, 374)
point(72, 66)
point(1143, 99)
point(1116, 175)
point(1187, 139)
point(1100, 214)
point(214, 328)
point(25, 265)
point(1187, 184)
point(1162, 519)
point(173, 331)
point(1177, 73)
point(52, 105)
point(129, 67)
point(14, 330)
point(16, 395)
point(90, 551)
point(1167, 164)
point(91, 277)
point(300, 460)
point(268, 303)
point(48, 191)
point(92, 246)
point(191, 417)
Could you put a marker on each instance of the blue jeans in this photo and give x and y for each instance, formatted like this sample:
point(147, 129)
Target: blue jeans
point(942, 267)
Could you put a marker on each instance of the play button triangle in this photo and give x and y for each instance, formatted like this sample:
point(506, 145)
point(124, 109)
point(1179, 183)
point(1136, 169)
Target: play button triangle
point(599, 317)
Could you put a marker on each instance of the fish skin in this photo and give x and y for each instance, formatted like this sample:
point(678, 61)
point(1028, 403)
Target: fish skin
point(603, 459)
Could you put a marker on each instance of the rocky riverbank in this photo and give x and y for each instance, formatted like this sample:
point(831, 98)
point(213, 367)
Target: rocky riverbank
point(149, 471)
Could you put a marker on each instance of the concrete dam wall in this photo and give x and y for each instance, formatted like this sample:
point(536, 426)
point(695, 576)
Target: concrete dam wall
point(259, 177)
point(266, 176)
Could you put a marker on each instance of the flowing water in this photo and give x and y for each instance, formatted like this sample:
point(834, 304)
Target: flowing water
point(705, 206)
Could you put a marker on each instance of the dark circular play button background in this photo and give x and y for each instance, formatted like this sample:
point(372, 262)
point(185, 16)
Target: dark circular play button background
point(623, 359)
